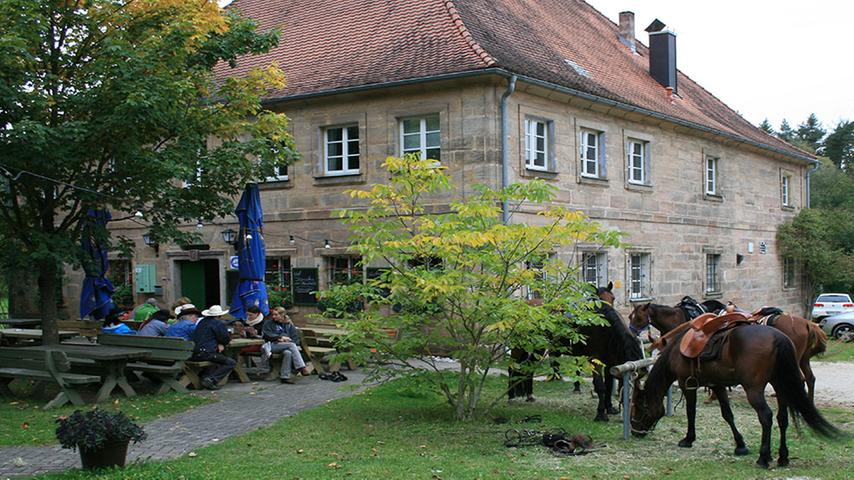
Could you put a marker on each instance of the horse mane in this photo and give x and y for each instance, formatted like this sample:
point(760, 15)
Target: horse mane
point(621, 339)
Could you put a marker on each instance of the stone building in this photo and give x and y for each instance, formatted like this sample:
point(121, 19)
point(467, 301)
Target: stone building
point(502, 90)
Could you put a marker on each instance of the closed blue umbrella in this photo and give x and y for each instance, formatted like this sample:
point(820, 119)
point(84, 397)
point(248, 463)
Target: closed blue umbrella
point(96, 298)
point(251, 255)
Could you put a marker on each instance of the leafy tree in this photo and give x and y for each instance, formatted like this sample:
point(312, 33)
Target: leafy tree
point(839, 146)
point(810, 133)
point(109, 104)
point(457, 280)
point(821, 238)
point(766, 126)
point(786, 133)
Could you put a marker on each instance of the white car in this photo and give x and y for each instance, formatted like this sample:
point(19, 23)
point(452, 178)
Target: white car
point(831, 304)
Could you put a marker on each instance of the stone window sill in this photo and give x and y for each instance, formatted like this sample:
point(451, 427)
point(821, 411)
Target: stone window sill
point(713, 198)
point(349, 179)
point(597, 181)
point(543, 174)
point(788, 208)
point(639, 187)
point(713, 295)
point(275, 184)
point(641, 299)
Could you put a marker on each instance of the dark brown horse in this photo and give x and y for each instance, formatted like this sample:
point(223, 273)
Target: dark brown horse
point(610, 344)
point(808, 338)
point(752, 356)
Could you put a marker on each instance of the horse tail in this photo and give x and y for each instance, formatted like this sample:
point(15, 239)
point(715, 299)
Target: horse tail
point(789, 385)
point(818, 340)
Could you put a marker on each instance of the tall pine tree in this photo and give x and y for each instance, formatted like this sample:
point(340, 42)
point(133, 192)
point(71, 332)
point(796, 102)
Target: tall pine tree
point(810, 133)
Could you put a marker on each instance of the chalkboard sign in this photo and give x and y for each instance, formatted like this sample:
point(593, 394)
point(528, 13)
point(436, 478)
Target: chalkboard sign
point(305, 283)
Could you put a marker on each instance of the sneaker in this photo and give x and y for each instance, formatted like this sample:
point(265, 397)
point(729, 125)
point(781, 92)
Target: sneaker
point(210, 383)
point(288, 381)
point(304, 372)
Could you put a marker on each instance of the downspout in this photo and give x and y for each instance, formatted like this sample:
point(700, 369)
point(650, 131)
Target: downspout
point(810, 171)
point(505, 146)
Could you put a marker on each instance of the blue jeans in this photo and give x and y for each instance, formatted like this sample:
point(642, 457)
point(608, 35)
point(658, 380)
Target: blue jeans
point(224, 364)
point(291, 358)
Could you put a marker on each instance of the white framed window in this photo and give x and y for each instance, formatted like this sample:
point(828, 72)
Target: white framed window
point(711, 175)
point(639, 276)
point(592, 154)
point(788, 272)
point(713, 265)
point(341, 150)
point(421, 135)
point(536, 144)
point(637, 162)
point(280, 174)
point(539, 276)
point(785, 182)
point(594, 268)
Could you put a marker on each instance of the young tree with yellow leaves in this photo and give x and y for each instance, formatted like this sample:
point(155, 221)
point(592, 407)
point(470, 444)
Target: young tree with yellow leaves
point(458, 280)
point(112, 104)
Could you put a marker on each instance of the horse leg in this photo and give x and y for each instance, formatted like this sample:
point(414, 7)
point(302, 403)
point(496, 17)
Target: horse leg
point(809, 377)
point(601, 392)
point(783, 423)
point(691, 410)
point(756, 397)
point(726, 413)
point(577, 387)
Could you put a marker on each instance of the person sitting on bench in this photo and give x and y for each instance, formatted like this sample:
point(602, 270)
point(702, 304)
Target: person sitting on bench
point(187, 315)
point(282, 336)
point(113, 324)
point(211, 336)
point(155, 326)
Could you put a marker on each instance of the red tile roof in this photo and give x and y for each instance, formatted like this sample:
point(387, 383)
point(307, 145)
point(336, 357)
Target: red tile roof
point(333, 44)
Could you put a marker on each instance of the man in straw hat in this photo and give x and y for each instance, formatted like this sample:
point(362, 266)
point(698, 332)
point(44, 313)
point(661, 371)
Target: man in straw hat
point(211, 336)
point(187, 315)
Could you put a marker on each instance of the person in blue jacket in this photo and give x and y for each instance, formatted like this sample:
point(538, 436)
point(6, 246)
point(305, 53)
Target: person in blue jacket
point(114, 324)
point(188, 315)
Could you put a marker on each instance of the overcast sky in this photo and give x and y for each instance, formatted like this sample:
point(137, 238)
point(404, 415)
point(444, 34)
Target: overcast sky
point(770, 59)
point(764, 58)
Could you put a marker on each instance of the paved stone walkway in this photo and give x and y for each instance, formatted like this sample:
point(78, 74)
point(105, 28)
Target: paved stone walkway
point(234, 414)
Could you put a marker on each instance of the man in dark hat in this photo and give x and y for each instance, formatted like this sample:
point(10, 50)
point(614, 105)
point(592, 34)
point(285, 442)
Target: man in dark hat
point(187, 315)
point(211, 337)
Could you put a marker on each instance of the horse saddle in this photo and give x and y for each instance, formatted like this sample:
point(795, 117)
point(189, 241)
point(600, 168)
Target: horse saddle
point(704, 327)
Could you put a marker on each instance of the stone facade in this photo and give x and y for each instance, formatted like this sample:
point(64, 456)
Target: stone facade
point(669, 217)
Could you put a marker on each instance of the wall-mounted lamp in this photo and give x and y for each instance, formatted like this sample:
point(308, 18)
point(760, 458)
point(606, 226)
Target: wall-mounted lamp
point(291, 239)
point(229, 236)
point(149, 241)
point(326, 244)
point(200, 225)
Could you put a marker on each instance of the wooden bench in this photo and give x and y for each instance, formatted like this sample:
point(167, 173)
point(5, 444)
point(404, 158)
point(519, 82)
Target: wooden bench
point(85, 328)
point(165, 362)
point(43, 365)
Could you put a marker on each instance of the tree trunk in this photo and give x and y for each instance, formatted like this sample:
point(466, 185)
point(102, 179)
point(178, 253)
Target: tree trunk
point(47, 289)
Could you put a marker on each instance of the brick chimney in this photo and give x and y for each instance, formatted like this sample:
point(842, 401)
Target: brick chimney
point(662, 54)
point(627, 30)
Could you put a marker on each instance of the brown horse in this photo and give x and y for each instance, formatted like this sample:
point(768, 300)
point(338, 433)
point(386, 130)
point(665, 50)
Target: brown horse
point(752, 356)
point(808, 338)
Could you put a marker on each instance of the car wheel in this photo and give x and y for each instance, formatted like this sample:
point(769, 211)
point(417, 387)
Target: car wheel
point(841, 330)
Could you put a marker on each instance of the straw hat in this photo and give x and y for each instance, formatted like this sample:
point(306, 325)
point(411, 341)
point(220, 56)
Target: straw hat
point(214, 311)
point(186, 309)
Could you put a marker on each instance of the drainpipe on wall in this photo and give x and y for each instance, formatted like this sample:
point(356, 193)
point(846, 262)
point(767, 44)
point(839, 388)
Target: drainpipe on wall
point(810, 171)
point(505, 146)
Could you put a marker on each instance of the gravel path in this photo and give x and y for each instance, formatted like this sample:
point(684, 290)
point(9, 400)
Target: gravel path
point(834, 383)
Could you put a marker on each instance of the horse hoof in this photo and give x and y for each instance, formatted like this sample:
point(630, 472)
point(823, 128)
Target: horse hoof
point(601, 417)
point(762, 463)
point(741, 451)
point(782, 462)
point(612, 411)
point(685, 443)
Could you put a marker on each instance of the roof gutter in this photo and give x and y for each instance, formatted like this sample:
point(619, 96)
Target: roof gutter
point(548, 85)
point(505, 146)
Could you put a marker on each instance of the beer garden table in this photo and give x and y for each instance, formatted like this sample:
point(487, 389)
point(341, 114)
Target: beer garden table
point(11, 336)
point(233, 350)
point(108, 361)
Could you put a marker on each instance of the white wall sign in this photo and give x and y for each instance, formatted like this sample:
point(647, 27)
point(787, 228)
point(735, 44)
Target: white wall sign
point(763, 248)
point(234, 262)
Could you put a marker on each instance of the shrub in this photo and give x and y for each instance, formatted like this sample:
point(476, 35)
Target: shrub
point(96, 428)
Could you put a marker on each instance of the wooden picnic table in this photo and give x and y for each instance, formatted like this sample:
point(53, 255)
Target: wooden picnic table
point(233, 350)
point(109, 362)
point(12, 336)
point(21, 322)
point(325, 331)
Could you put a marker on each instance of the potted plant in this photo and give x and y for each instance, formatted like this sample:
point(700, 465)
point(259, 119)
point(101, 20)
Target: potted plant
point(102, 437)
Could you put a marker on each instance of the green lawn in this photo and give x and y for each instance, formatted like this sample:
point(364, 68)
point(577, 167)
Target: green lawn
point(23, 422)
point(398, 431)
point(838, 352)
